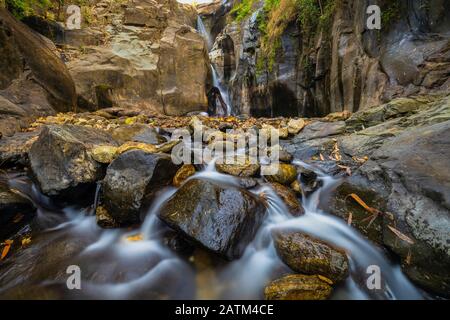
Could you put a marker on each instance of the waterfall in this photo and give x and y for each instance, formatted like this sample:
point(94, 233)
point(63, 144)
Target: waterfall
point(223, 92)
point(216, 79)
point(205, 34)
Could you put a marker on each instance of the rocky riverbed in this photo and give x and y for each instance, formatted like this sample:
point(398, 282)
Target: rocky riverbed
point(382, 173)
point(101, 130)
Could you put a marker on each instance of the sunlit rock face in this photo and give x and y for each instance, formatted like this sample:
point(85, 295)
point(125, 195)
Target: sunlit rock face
point(145, 54)
point(33, 80)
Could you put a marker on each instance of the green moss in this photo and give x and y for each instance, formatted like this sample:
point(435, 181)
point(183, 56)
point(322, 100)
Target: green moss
point(23, 8)
point(275, 17)
point(390, 12)
point(242, 9)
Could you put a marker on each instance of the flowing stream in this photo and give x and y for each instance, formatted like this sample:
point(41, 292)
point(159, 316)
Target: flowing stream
point(215, 77)
point(138, 263)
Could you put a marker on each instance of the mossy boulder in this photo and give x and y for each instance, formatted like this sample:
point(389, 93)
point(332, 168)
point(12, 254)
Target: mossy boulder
point(298, 287)
point(306, 255)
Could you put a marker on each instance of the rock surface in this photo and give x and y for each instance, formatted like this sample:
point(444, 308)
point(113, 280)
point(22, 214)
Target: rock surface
point(298, 287)
point(289, 198)
point(307, 255)
point(406, 181)
point(222, 219)
point(61, 157)
point(130, 182)
point(338, 64)
point(15, 209)
point(153, 59)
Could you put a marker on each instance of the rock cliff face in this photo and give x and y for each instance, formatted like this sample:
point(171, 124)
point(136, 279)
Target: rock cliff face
point(340, 65)
point(143, 54)
point(33, 80)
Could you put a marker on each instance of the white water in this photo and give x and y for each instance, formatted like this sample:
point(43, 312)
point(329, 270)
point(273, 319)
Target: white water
point(204, 33)
point(223, 91)
point(215, 77)
point(116, 268)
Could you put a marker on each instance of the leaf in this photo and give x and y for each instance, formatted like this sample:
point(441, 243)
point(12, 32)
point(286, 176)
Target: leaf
point(321, 157)
point(363, 204)
point(18, 217)
point(348, 170)
point(135, 238)
point(26, 241)
point(350, 218)
point(401, 235)
point(6, 248)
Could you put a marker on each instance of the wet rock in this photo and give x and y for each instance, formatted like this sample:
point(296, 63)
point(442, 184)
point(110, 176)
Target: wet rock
point(248, 183)
point(307, 150)
point(283, 155)
point(286, 174)
point(14, 150)
point(394, 109)
point(182, 174)
point(309, 180)
point(244, 170)
point(149, 148)
point(307, 255)
point(104, 219)
point(177, 243)
point(224, 126)
point(224, 220)
point(296, 125)
point(137, 133)
point(342, 205)
point(61, 157)
point(407, 181)
point(289, 198)
point(318, 129)
point(104, 154)
point(15, 210)
point(296, 186)
point(298, 287)
point(131, 180)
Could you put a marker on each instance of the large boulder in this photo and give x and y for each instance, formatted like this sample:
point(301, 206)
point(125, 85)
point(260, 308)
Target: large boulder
point(222, 219)
point(131, 180)
point(307, 255)
point(14, 210)
point(48, 69)
point(406, 183)
point(61, 157)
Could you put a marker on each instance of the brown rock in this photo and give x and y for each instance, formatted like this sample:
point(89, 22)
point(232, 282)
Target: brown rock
point(289, 198)
point(182, 174)
point(307, 255)
point(298, 287)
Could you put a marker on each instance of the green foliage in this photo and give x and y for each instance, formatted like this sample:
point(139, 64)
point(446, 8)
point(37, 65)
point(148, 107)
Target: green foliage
point(242, 9)
point(23, 8)
point(311, 15)
point(390, 12)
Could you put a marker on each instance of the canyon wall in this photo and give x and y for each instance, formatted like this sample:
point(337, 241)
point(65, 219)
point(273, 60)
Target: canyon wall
point(339, 65)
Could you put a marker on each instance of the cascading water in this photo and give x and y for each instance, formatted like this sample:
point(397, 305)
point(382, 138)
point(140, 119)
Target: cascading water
point(205, 34)
point(124, 264)
point(215, 77)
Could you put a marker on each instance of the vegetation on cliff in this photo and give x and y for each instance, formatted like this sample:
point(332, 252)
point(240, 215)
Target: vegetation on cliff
point(276, 15)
